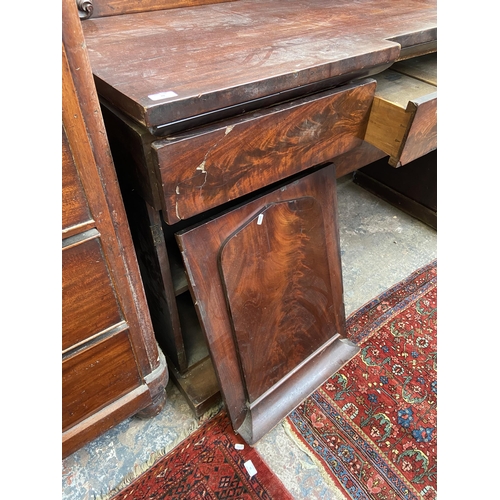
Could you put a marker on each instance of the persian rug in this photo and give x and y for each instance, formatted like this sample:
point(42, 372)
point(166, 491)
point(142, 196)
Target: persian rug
point(212, 463)
point(371, 428)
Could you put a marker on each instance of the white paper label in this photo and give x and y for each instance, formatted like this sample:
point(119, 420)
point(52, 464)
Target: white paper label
point(162, 95)
point(239, 446)
point(250, 468)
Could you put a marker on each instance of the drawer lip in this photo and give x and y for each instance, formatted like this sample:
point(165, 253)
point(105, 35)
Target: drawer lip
point(205, 168)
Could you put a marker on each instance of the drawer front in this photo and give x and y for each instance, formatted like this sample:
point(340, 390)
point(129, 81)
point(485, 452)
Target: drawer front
point(89, 304)
point(212, 165)
point(403, 118)
point(422, 133)
point(97, 376)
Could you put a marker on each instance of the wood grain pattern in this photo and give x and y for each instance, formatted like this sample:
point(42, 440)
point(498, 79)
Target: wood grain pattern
point(102, 8)
point(97, 376)
point(276, 277)
point(200, 246)
point(76, 210)
point(202, 169)
point(111, 366)
point(89, 302)
point(221, 55)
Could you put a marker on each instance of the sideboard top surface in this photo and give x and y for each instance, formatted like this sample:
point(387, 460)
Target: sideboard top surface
point(164, 66)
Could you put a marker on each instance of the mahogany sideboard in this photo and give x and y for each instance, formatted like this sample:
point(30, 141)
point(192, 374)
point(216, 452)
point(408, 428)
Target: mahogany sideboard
point(111, 365)
point(229, 123)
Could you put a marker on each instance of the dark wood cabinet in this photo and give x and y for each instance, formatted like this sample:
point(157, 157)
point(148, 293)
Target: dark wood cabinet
point(228, 125)
point(111, 365)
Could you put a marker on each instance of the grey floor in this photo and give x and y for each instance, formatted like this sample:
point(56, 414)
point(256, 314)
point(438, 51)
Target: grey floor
point(380, 246)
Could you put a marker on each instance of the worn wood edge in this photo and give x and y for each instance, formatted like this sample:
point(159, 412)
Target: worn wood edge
point(106, 8)
point(404, 156)
point(151, 392)
point(97, 424)
point(267, 412)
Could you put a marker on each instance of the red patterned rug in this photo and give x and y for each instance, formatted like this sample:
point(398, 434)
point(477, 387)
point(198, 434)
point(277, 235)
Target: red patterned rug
point(208, 465)
point(372, 426)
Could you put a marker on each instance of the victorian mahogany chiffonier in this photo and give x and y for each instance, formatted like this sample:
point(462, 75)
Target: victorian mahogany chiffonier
point(229, 123)
point(111, 365)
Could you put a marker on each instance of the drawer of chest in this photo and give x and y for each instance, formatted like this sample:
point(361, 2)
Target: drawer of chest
point(97, 375)
point(212, 165)
point(403, 119)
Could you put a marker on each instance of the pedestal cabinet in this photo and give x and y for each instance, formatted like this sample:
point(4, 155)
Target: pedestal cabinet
point(111, 365)
point(227, 123)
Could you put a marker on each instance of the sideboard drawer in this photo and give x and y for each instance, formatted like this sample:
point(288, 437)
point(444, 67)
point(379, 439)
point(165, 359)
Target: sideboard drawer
point(403, 120)
point(209, 166)
point(97, 375)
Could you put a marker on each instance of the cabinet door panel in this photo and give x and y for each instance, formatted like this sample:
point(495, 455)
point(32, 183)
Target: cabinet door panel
point(267, 361)
point(276, 276)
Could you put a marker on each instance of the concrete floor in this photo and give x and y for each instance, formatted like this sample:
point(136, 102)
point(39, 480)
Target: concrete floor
point(380, 246)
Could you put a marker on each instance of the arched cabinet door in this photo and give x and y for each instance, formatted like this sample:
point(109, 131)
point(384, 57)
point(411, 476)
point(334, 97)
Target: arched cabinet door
point(266, 281)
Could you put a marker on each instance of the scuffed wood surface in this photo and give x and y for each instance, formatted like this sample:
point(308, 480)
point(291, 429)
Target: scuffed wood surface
point(220, 55)
point(102, 8)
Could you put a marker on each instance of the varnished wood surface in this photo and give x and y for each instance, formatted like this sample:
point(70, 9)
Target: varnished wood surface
point(96, 376)
point(76, 216)
point(101, 8)
point(217, 56)
point(200, 247)
point(88, 297)
point(202, 169)
point(277, 282)
point(111, 365)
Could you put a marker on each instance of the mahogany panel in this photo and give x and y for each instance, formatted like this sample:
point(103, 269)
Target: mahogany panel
point(96, 376)
point(89, 303)
point(169, 65)
point(215, 164)
point(74, 203)
point(200, 246)
point(277, 282)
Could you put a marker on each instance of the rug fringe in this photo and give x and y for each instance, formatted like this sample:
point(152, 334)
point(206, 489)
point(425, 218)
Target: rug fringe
point(333, 488)
point(155, 456)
